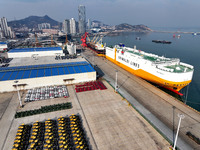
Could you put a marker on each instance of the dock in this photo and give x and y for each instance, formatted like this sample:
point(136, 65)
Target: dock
point(109, 121)
point(137, 116)
point(161, 105)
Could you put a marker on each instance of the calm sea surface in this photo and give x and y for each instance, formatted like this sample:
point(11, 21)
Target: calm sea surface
point(186, 48)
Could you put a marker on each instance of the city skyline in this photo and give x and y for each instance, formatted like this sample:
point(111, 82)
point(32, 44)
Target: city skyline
point(160, 13)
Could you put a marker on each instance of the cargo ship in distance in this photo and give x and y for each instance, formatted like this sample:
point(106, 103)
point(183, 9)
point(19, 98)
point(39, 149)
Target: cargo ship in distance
point(162, 41)
point(169, 73)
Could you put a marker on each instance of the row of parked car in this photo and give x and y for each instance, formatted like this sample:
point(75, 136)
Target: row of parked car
point(46, 93)
point(65, 57)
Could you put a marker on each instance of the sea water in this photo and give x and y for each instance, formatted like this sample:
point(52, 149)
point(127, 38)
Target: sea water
point(186, 48)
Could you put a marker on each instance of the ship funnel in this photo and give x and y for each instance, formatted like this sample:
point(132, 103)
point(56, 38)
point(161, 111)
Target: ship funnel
point(134, 47)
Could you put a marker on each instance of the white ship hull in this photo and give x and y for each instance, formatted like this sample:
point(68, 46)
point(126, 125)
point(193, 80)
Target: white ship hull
point(166, 72)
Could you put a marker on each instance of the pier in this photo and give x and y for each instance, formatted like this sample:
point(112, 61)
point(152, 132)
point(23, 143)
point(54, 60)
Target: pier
point(108, 120)
point(136, 116)
point(162, 106)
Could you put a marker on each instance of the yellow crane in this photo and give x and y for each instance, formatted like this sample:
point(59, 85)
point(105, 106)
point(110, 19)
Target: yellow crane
point(66, 40)
point(36, 41)
point(88, 38)
point(96, 39)
point(52, 42)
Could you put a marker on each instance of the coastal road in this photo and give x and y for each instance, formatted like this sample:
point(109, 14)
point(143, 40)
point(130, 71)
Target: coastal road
point(159, 108)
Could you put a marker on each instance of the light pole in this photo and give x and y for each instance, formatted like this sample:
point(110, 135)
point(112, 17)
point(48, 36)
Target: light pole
point(93, 60)
point(81, 51)
point(173, 122)
point(116, 80)
point(181, 116)
point(19, 97)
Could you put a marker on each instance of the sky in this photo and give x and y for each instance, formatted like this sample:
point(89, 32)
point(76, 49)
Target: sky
point(153, 13)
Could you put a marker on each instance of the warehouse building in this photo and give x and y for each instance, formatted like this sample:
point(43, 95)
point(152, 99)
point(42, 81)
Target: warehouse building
point(27, 77)
point(35, 52)
point(3, 46)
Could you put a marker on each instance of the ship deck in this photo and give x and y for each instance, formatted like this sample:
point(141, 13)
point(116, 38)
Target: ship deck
point(179, 68)
point(161, 60)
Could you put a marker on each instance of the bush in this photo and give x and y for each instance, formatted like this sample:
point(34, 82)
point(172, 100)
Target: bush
point(44, 109)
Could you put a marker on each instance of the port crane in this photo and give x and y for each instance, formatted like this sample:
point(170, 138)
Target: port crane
point(96, 39)
point(36, 41)
point(83, 39)
point(93, 38)
point(52, 42)
point(88, 38)
point(66, 40)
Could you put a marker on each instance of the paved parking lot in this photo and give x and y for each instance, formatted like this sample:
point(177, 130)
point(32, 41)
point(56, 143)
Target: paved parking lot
point(163, 106)
point(108, 120)
point(47, 92)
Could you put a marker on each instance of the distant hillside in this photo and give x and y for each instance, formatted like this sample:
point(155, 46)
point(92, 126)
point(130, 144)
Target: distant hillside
point(125, 26)
point(32, 22)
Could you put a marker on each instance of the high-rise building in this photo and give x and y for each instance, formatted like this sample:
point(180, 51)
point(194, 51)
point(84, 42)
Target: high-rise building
point(72, 23)
point(66, 26)
point(1, 34)
point(44, 26)
point(96, 24)
point(11, 34)
point(82, 19)
point(89, 23)
point(4, 27)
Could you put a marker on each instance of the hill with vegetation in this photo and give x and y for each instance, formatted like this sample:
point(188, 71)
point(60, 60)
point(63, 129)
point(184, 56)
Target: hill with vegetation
point(128, 27)
point(32, 22)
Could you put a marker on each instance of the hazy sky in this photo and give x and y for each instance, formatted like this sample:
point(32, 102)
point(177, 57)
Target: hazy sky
point(156, 13)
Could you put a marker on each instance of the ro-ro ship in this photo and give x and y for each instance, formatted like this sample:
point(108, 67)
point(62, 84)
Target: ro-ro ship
point(169, 73)
point(166, 72)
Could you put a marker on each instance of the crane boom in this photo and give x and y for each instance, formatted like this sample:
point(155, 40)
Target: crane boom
point(36, 41)
point(96, 39)
point(66, 40)
point(52, 43)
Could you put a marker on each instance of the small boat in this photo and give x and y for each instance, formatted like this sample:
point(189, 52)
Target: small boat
point(138, 38)
point(194, 33)
point(162, 41)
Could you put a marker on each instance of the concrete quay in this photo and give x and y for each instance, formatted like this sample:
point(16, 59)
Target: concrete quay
point(159, 105)
point(109, 122)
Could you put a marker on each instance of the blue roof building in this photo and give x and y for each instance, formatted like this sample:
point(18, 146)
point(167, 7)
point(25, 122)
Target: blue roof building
point(2, 43)
point(39, 51)
point(35, 49)
point(48, 74)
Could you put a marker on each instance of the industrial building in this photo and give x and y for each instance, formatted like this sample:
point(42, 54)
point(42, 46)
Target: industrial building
point(27, 77)
point(35, 52)
point(3, 46)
